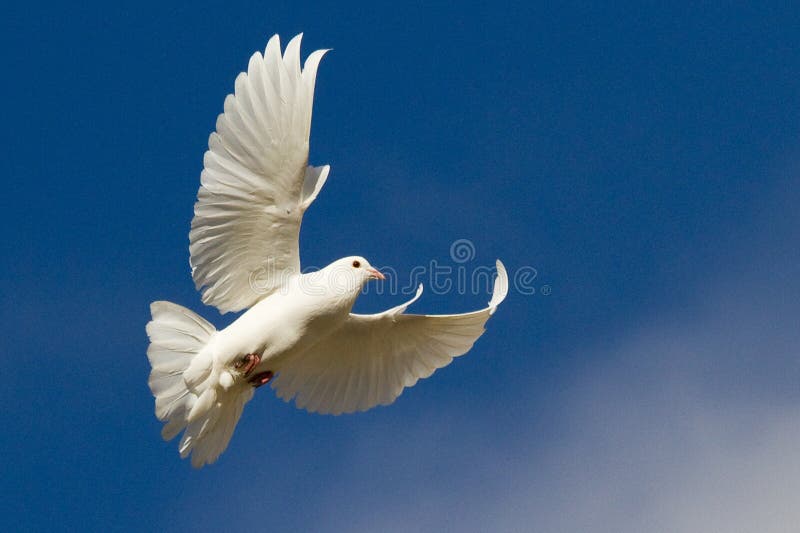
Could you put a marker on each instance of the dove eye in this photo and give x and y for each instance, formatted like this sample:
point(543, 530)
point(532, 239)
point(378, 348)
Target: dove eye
point(356, 264)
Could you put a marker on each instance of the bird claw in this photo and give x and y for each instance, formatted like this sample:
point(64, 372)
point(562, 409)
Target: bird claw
point(262, 378)
point(247, 363)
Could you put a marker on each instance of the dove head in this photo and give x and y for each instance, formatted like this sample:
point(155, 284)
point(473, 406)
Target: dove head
point(356, 268)
point(345, 277)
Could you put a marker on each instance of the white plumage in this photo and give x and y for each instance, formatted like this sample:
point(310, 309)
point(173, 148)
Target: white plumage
point(244, 252)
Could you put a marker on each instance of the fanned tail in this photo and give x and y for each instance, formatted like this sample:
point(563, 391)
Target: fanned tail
point(186, 385)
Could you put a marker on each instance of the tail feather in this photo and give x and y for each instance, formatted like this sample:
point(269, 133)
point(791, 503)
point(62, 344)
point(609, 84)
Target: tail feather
point(207, 437)
point(186, 386)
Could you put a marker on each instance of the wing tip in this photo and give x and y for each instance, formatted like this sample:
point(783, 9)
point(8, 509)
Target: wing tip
point(400, 309)
point(500, 287)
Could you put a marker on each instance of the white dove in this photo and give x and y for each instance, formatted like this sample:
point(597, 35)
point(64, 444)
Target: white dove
point(255, 186)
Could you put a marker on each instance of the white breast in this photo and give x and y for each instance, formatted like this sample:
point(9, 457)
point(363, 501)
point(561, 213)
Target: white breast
point(281, 325)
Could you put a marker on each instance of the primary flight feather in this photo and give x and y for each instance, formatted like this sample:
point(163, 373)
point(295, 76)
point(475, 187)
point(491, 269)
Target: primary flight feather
point(298, 331)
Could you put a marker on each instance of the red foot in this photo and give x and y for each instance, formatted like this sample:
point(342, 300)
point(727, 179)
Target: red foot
point(247, 363)
point(262, 378)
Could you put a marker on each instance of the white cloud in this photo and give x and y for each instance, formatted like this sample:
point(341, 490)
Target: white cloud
point(672, 436)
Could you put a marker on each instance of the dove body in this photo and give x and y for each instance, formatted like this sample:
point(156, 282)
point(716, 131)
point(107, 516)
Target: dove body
point(301, 313)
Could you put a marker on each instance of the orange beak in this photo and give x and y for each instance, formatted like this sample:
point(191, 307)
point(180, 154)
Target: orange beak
point(375, 274)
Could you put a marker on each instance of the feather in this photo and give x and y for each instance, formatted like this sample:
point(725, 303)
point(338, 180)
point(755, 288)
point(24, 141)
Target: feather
point(256, 183)
point(372, 358)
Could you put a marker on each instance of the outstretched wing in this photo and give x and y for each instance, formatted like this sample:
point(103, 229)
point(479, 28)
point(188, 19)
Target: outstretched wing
point(256, 183)
point(374, 357)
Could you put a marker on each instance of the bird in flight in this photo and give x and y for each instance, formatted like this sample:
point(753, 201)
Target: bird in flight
point(298, 331)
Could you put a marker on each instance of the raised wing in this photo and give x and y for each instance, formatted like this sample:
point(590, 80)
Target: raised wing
point(374, 357)
point(256, 184)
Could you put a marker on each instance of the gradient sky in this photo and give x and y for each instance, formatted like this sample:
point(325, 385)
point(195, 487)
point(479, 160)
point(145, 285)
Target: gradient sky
point(644, 160)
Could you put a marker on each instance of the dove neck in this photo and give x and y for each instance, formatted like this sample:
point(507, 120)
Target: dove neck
point(327, 293)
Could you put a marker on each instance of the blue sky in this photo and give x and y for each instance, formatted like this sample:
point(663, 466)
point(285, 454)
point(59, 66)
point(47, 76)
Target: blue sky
point(644, 160)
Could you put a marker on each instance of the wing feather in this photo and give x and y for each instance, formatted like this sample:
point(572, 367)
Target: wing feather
point(372, 358)
point(256, 182)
